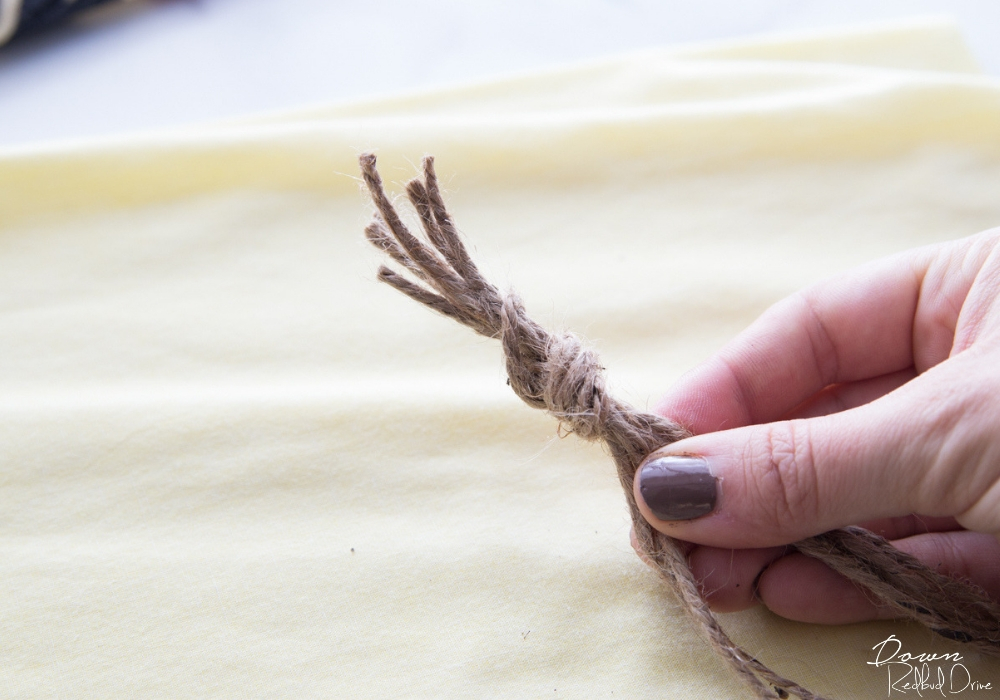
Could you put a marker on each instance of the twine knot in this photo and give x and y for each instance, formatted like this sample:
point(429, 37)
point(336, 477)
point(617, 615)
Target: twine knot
point(554, 372)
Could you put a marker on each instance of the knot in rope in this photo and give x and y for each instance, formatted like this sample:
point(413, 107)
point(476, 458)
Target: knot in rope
point(554, 372)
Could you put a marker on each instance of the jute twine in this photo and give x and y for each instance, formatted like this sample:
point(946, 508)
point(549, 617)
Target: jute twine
point(558, 374)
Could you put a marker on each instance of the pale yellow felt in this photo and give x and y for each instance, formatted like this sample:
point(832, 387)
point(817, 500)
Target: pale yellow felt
point(234, 465)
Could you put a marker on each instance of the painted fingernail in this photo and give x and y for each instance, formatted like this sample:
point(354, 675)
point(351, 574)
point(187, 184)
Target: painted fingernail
point(677, 487)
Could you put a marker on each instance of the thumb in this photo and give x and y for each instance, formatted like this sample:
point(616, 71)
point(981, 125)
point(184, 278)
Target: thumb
point(915, 450)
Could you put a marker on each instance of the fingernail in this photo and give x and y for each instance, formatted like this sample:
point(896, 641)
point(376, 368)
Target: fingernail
point(677, 487)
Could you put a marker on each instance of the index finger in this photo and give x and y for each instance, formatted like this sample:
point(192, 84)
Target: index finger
point(855, 326)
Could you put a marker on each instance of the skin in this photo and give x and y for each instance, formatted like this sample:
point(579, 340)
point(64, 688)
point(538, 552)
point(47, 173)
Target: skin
point(872, 398)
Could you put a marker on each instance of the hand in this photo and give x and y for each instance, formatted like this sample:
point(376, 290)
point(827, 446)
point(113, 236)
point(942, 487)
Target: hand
point(872, 398)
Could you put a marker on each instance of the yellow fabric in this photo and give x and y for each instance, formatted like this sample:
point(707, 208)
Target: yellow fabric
point(233, 465)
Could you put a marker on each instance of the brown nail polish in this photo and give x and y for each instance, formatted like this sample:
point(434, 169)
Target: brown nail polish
point(677, 487)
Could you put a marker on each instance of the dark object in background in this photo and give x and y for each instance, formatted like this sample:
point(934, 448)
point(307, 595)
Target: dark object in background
point(19, 17)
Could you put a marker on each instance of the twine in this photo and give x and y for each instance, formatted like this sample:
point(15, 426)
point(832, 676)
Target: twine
point(558, 374)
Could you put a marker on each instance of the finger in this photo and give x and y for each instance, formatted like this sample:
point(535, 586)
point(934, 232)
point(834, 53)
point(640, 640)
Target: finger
point(972, 556)
point(804, 589)
point(727, 577)
point(979, 317)
point(821, 336)
point(909, 525)
point(928, 447)
point(840, 397)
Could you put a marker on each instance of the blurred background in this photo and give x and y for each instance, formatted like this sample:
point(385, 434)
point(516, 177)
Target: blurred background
point(139, 65)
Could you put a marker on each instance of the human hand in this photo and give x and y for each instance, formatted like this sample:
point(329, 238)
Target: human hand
point(872, 398)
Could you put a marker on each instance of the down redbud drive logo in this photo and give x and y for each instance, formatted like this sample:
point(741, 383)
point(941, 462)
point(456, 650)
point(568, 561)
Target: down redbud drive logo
point(923, 674)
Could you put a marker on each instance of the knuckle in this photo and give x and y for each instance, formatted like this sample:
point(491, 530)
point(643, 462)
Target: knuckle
point(961, 473)
point(786, 478)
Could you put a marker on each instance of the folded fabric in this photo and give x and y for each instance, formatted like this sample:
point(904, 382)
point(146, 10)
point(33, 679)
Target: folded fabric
point(232, 464)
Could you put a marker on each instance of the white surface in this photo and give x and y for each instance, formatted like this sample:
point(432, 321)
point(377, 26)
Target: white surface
point(154, 64)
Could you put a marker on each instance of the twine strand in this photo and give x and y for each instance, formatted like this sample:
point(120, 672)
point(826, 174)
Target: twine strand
point(558, 374)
